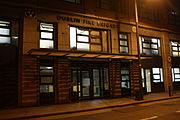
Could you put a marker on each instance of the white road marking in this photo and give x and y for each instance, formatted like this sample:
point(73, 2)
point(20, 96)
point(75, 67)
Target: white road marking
point(150, 118)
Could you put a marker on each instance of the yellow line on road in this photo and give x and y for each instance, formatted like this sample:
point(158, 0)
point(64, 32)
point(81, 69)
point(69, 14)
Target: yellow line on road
point(150, 118)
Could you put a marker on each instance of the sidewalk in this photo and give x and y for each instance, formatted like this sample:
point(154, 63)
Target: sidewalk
point(40, 111)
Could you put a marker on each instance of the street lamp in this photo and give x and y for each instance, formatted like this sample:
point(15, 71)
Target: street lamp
point(140, 91)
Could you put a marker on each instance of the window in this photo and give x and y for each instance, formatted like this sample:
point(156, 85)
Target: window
point(123, 43)
point(88, 39)
point(5, 36)
point(149, 45)
point(157, 75)
point(46, 79)
point(125, 80)
point(72, 1)
point(174, 18)
point(175, 48)
point(176, 74)
point(46, 35)
point(106, 4)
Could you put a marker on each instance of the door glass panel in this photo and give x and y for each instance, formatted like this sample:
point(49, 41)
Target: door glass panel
point(96, 81)
point(74, 81)
point(46, 88)
point(85, 83)
point(125, 84)
point(46, 79)
point(148, 80)
point(106, 79)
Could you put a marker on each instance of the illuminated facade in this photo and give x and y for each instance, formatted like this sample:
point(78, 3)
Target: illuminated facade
point(71, 50)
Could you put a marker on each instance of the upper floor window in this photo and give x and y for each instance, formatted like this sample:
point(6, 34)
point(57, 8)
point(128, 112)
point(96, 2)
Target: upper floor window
point(46, 35)
point(174, 18)
point(176, 74)
point(106, 4)
point(88, 39)
point(175, 48)
point(5, 32)
point(149, 45)
point(123, 43)
point(73, 1)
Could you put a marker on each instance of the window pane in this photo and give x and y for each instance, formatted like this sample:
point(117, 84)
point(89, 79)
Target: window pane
point(122, 42)
point(154, 40)
point(125, 77)
point(174, 43)
point(146, 51)
point(46, 35)
point(46, 27)
point(156, 71)
point(176, 70)
point(95, 47)
point(46, 44)
point(5, 40)
point(83, 32)
point(106, 79)
point(95, 40)
point(154, 46)
point(156, 76)
point(145, 45)
point(177, 80)
point(4, 31)
point(46, 88)
point(73, 37)
point(124, 71)
point(46, 70)
point(4, 23)
point(46, 79)
point(83, 38)
point(122, 36)
point(124, 49)
point(95, 33)
point(155, 52)
point(83, 46)
point(175, 48)
point(175, 54)
point(177, 76)
point(156, 81)
point(125, 84)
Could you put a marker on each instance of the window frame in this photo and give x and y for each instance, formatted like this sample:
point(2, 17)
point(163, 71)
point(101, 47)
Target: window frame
point(150, 43)
point(46, 31)
point(122, 39)
point(90, 36)
point(172, 46)
point(174, 79)
point(9, 26)
point(160, 74)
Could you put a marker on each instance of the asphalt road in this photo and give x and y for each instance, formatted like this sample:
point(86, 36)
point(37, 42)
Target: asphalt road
point(161, 110)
